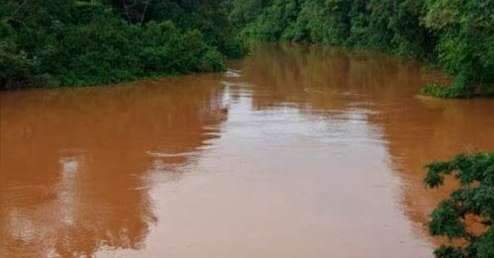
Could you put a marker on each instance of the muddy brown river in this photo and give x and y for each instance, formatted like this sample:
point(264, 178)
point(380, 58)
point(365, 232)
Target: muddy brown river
point(320, 154)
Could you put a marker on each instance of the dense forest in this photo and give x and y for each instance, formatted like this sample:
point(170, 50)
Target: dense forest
point(456, 35)
point(69, 42)
point(85, 42)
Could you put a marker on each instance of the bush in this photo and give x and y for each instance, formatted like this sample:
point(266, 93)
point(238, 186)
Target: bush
point(212, 61)
point(440, 91)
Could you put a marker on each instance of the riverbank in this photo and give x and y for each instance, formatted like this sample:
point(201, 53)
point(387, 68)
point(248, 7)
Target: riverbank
point(77, 43)
point(458, 37)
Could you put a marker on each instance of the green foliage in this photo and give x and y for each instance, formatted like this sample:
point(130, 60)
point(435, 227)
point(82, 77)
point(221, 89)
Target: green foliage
point(385, 24)
point(458, 35)
point(273, 20)
point(14, 65)
point(212, 60)
point(72, 42)
point(54, 42)
point(475, 197)
point(466, 39)
point(440, 91)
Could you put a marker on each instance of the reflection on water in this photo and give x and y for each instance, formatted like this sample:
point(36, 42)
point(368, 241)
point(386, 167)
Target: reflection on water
point(320, 154)
point(75, 164)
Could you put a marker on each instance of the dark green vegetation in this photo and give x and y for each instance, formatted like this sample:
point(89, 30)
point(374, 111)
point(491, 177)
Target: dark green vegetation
point(69, 42)
point(457, 35)
point(474, 199)
point(81, 42)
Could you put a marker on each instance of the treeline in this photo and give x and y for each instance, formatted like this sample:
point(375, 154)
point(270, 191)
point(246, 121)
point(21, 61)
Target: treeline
point(457, 35)
point(86, 42)
point(69, 42)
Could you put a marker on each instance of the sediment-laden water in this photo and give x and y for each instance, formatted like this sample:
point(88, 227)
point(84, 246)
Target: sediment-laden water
point(293, 152)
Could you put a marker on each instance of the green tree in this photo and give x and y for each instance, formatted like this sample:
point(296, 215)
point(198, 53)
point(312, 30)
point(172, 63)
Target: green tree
point(87, 42)
point(474, 198)
point(456, 35)
point(466, 42)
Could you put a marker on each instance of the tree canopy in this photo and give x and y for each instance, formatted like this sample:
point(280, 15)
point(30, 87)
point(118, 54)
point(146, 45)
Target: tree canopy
point(79, 42)
point(70, 42)
point(457, 35)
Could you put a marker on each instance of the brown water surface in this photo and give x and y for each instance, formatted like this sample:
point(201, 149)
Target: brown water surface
point(320, 154)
